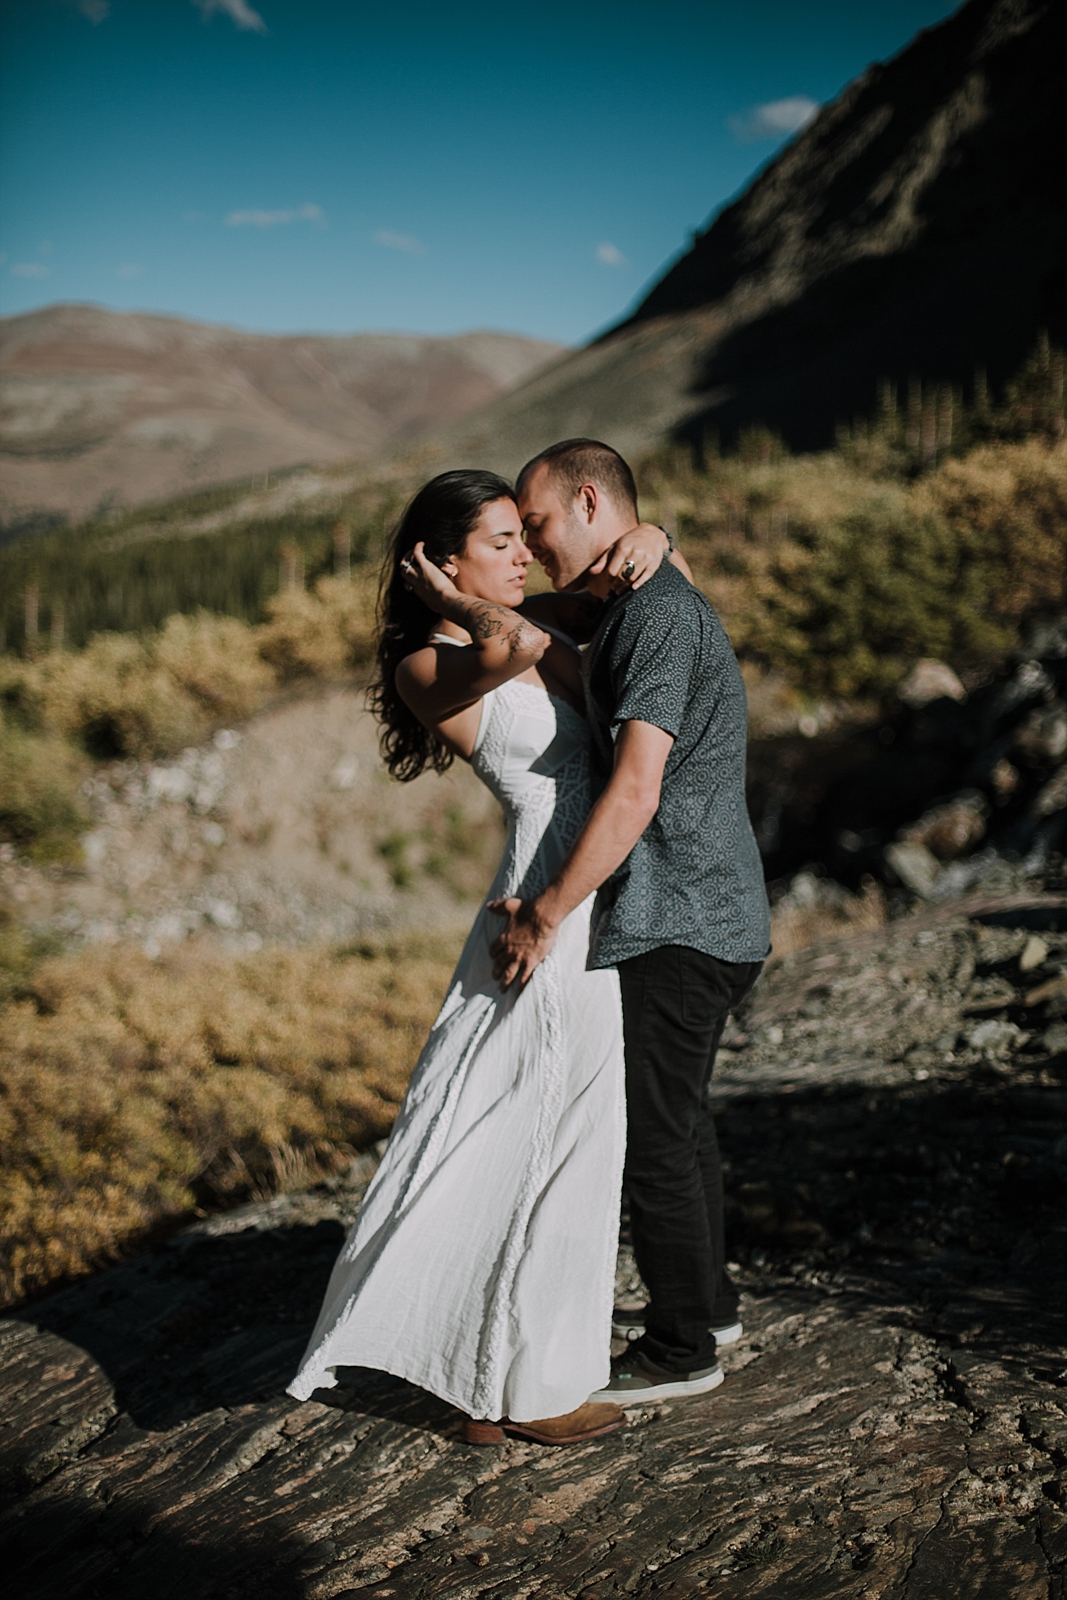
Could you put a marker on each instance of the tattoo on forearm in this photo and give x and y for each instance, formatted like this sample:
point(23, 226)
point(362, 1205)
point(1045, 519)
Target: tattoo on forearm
point(484, 621)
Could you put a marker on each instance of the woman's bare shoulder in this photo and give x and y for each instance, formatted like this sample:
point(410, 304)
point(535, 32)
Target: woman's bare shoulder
point(419, 669)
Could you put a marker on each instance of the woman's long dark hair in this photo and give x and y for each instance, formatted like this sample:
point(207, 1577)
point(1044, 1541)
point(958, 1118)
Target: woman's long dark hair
point(441, 515)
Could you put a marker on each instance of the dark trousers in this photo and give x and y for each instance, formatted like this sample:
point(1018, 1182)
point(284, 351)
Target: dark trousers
point(674, 1004)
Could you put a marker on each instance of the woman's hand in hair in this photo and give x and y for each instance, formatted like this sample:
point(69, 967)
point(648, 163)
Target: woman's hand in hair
point(645, 547)
point(433, 587)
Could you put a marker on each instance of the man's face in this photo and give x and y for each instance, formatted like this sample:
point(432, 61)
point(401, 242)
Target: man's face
point(556, 532)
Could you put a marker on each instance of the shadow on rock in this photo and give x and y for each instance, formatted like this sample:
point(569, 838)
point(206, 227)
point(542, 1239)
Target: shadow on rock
point(948, 1198)
point(202, 1321)
point(65, 1547)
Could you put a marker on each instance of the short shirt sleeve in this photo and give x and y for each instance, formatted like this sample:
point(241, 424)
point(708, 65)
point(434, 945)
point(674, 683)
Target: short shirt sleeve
point(651, 665)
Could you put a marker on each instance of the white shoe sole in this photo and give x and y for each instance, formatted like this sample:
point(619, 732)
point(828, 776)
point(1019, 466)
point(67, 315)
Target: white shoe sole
point(728, 1335)
point(662, 1391)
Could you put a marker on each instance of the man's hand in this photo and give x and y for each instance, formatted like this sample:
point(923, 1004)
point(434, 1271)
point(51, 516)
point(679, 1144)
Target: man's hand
point(524, 943)
point(633, 559)
point(611, 830)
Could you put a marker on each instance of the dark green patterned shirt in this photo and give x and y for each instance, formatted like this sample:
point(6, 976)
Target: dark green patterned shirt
point(694, 877)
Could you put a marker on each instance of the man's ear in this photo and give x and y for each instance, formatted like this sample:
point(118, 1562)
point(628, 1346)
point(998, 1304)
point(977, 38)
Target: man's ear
point(449, 568)
point(588, 498)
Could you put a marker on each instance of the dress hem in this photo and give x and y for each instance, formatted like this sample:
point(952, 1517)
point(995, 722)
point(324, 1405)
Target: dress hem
point(326, 1379)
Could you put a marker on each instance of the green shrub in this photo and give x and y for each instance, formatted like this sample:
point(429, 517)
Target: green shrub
point(113, 699)
point(847, 609)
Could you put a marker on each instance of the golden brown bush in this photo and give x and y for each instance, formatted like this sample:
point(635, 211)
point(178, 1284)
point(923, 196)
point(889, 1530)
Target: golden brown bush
point(114, 699)
point(217, 661)
point(796, 927)
point(129, 696)
point(41, 810)
point(145, 697)
point(1007, 506)
point(129, 1089)
point(840, 580)
point(321, 634)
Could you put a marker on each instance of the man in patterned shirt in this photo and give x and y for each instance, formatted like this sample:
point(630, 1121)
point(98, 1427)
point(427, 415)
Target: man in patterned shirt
point(681, 910)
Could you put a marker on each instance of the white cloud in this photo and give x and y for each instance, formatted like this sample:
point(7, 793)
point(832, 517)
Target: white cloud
point(609, 255)
point(774, 119)
point(130, 269)
point(95, 10)
point(274, 219)
point(399, 241)
point(239, 11)
point(30, 269)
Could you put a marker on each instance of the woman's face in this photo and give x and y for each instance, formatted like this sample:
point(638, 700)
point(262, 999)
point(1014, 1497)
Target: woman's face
point(494, 559)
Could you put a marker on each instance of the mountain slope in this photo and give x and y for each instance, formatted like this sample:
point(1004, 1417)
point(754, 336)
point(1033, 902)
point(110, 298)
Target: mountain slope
point(917, 227)
point(101, 406)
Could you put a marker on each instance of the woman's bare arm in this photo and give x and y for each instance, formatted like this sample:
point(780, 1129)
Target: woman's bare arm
point(440, 680)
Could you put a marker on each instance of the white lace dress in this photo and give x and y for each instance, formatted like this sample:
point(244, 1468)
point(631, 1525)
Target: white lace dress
point(481, 1266)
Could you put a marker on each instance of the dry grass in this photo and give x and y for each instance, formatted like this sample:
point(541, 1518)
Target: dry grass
point(803, 919)
point(1007, 505)
point(134, 1090)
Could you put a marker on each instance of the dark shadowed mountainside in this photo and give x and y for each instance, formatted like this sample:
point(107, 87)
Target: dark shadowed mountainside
point(103, 408)
point(916, 229)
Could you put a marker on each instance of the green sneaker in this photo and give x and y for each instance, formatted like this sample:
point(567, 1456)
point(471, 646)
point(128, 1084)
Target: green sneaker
point(635, 1379)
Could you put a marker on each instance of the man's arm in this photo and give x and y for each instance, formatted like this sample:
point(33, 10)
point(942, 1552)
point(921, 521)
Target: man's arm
point(612, 828)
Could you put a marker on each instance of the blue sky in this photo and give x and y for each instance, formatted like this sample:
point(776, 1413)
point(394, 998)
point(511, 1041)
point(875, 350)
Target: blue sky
point(326, 165)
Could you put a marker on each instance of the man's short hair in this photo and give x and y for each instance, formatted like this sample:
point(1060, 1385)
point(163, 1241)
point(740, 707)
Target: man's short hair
point(576, 461)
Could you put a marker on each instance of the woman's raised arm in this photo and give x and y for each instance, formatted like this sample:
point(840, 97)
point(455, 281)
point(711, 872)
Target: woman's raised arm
point(440, 680)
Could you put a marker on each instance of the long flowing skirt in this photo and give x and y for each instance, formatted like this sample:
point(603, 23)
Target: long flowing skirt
point(481, 1266)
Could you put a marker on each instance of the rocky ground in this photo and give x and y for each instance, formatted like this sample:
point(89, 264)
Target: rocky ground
point(894, 1421)
point(941, 793)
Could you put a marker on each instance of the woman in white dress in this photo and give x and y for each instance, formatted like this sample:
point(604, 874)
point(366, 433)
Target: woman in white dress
point(481, 1266)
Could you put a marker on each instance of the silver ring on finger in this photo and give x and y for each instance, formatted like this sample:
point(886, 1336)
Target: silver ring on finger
point(629, 567)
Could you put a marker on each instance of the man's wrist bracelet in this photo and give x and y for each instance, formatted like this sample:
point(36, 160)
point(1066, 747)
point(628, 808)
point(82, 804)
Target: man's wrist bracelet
point(670, 538)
